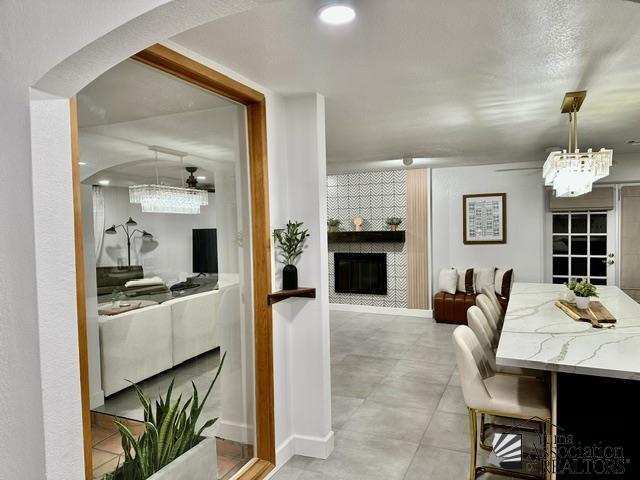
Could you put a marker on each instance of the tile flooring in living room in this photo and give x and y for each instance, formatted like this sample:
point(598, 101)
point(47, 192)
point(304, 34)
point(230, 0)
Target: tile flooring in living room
point(397, 406)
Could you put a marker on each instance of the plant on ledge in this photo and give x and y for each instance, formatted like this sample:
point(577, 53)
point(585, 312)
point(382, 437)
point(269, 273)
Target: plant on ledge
point(169, 432)
point(333, 224)
point(584, 291)
point(290, 241)
point(393, 223)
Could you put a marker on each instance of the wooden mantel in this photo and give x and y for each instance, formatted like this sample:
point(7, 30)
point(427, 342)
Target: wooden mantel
point(371, 236)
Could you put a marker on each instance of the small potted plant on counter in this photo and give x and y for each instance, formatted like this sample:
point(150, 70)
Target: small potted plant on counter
point(584, 291)
point(333, 224)
point(290, 241)
point(393, 223)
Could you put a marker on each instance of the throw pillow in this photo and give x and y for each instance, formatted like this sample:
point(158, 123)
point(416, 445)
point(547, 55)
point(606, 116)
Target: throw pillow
point(447, 280)
point(466, 281)
point(484, 277)
point(503, 282)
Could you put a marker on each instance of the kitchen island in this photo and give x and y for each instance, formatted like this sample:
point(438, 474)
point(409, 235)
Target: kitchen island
point(595, 376)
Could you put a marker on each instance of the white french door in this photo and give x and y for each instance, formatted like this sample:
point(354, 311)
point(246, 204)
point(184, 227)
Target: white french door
point(584, 246)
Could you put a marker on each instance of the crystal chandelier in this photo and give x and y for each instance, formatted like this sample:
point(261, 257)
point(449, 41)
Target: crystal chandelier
point(166, 199)
point(571, 172)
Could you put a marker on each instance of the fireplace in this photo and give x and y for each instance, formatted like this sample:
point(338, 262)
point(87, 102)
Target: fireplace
point(361, 273)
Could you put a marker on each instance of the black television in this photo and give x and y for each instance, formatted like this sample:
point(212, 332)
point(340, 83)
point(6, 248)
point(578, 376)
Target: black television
point(205, 250)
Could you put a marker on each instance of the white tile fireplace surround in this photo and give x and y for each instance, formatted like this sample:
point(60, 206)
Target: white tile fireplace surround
point(374, 196)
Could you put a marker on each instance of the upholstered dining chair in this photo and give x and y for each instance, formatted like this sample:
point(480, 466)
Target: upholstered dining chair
point(507, 396)
point(491, 293)
point(490, 312)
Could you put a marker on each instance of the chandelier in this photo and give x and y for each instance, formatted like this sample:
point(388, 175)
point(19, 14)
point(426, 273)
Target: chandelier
point(167, 199)
point(571, 172)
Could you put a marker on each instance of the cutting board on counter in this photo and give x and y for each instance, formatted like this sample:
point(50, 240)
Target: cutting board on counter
point(596, 314)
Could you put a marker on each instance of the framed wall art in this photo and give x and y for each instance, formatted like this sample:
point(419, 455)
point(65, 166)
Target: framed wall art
point(484, 218)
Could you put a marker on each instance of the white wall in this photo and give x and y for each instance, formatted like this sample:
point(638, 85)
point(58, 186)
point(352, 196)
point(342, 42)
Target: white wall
point(309, 320)
point(525, 219)
point(60, 47)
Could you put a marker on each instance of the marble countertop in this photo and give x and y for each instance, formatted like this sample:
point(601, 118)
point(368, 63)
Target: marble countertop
point(537, 334)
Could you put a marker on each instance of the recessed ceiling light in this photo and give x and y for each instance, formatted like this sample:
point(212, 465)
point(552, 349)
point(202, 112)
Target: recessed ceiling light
point(337, 14)
point(82, 163)
point(201, 178)
point(103, 182)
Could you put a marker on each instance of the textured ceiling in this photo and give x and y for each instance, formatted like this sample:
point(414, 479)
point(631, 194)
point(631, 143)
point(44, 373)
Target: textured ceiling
point(131, 107)
point(467, 81)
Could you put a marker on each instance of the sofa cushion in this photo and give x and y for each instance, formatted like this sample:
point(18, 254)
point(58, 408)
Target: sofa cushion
point(485, 277)
point(466, 281)
point(503, 282)
point(448, 280)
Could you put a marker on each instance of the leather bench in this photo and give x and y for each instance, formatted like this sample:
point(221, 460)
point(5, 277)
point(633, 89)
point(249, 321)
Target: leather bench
point(452, 308)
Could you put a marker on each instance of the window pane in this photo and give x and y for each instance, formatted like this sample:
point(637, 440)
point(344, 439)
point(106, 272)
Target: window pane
point(560, 265)
point(599, 281)
point(599, 223)
point(598, 267)
point(560, 280)
point(560, 244)
point(561, 223)
point(579, 223)
point(598, 245)
point(579, 245)
point(578, 267)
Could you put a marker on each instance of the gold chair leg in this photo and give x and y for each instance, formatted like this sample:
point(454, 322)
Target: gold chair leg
point(549, 464)
point(473, 434)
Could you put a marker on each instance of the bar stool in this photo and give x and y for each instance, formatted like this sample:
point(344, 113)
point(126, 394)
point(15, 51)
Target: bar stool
point(507, 396)
point(482, 329)
point(491, 293)
point(489, 311)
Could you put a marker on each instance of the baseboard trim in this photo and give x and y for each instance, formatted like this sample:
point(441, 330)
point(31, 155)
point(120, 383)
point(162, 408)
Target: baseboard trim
point(315, 447)
point(237, 432)
point(284, 452)
point(409, 312)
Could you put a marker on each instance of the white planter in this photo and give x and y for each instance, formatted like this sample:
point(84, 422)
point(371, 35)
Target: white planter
point(583, 302)
point(199, 463)
point(569, 296)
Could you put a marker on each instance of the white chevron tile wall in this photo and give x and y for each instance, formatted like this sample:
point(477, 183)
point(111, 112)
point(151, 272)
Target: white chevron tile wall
point(374, 196)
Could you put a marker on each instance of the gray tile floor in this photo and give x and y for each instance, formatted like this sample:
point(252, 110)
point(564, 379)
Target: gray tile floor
point(397, 405)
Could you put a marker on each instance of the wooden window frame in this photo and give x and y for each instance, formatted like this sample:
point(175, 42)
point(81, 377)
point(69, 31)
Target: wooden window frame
point(173, 63)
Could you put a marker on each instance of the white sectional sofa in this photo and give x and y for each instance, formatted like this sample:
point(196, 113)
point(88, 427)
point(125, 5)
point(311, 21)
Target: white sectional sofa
point(141, 343)
point(194, 324)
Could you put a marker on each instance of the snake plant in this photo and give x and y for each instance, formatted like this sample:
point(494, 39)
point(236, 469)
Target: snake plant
point(169, 431)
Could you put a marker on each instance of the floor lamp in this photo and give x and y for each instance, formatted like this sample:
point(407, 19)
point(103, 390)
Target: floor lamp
point(129, 233)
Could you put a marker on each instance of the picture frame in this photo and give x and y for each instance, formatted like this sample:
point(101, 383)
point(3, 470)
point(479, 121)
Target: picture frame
point(484, 218)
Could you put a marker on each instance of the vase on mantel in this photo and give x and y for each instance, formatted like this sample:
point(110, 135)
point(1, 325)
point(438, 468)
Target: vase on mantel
point(583, 302)
point(289, 277)
point(393, 228)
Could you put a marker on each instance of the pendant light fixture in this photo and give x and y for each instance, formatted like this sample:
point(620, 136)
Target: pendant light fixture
point(571, 172)
point(167, 199)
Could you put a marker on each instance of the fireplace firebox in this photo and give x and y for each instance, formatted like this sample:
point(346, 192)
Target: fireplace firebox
point(361, 273)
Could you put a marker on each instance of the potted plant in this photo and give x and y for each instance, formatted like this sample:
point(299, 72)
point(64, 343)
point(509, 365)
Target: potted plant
point(333, 224)
point(170, 448)
point(290, 241)
point(570, 296)
point(393, 223)
point(584, 291)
